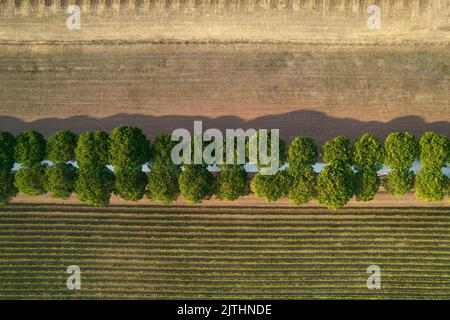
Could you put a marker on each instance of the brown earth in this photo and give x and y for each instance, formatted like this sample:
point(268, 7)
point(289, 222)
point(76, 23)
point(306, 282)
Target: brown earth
point(304, 66)
point(382, 199)
point(320, 91)
point(330, 21)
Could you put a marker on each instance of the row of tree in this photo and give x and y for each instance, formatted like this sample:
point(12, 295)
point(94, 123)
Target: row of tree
point(351, 169)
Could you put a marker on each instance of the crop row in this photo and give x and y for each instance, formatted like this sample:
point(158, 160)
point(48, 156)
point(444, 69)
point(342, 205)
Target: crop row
point(224, 256)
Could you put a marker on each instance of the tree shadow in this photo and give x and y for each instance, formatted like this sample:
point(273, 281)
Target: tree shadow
point(301, 122)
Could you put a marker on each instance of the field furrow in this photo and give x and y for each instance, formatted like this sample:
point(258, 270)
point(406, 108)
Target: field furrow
point(224, 253)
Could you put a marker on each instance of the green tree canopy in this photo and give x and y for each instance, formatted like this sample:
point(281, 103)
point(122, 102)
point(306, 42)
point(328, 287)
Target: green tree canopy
point(93, 148)
point(271, 187)
point(60, 180)
point(337, 150)
point(401, 150)
point(30, 179)
point(302, 152)
point(129, 147)
point(162, 149)
point(434, 150)
point(196, 183)
point(399, 182)
point(367, 184)
point(7, 188)
point(61, 146)
point(335, 185)
point(163, 182)
point(232, 183)
point(94, 184)
point(130, 183)
point(30, 147)
point(431, 184)
point(302, 186)
point(281, 149)
point(7, 145)
point(368, 153)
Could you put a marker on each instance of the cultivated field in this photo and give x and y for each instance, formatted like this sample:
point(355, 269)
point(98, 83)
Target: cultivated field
point(307, 67)
point(198, 252)
point(318, 21)
point(320, 91)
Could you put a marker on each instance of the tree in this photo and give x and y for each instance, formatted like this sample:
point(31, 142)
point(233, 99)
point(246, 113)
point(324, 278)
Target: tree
point(61, 146)
point(60, 180)
point(232, 183)
point(7, 188)
point(129, 147)
point(302, 152)
point(434, 150)
point(337, 150)
point(93, 148)
point(335, 185)
point(130, 183)
point(401, 150)
point(30, 179)
point(399, 182)
point(281, 149)
point(302, 155)
point(368, 153)
point(94, 184)
point(7, 144)
point(431, 184)
point(162, 149)
point(367, 184)
point(302, 186)
point(196, 183)
point(270, 187)
point(29, 148)
point(163, 183)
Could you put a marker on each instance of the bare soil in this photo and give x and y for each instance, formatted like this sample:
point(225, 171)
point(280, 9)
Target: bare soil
point(382, 199)
point(320, 91)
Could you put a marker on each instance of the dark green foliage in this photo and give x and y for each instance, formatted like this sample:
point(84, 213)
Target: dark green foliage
point(29, 148)
point(93, 148)
point(434, 150)
point(30, 179)
point(399, 182)
point(431, 184)
point(7, 144)
point(302, 152)
point(337, 150)
point(335, 185)
point(302, 186)
point(61, 146)
point(60, 180)
point(130, 183)
point(162, 149)
point(281, 150)
point(367, 184)
point(302, 155)
point(271, 187)
point(401, 150)
point(129, 147)
point(196, 183)
point(7, 188)
point(94, 184)
point(163, 182)
point(368, 153)
point(232, 183)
